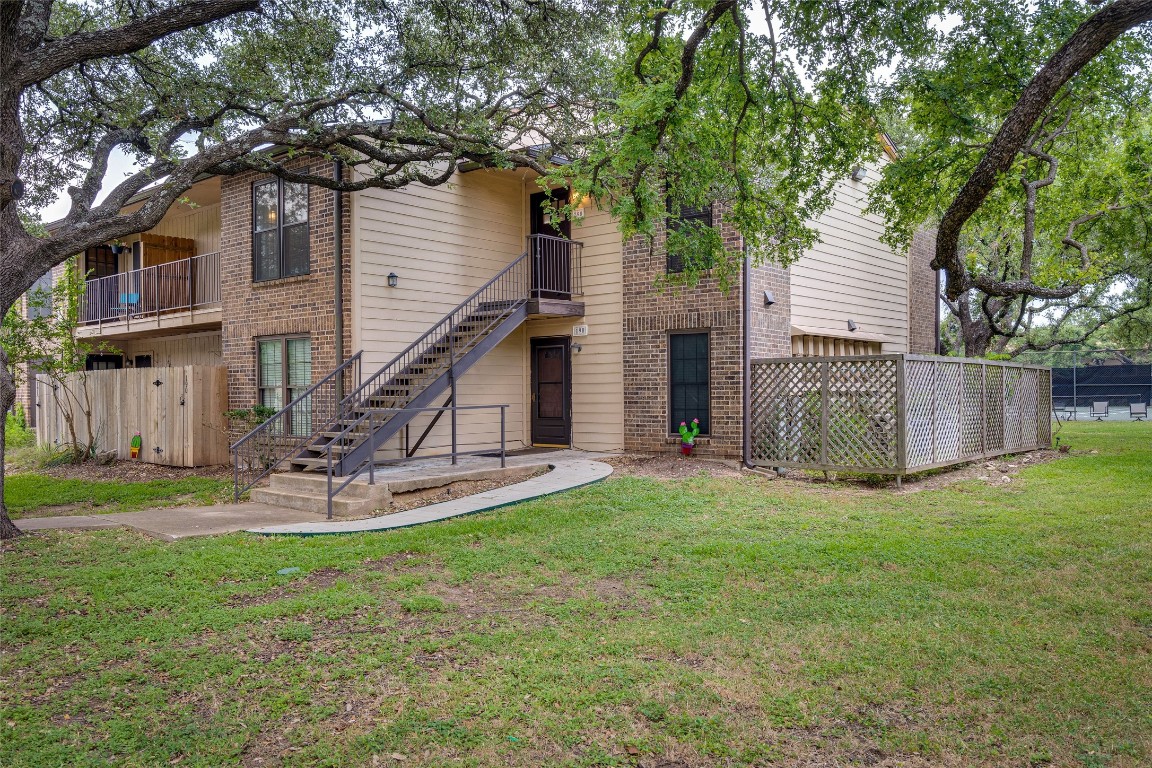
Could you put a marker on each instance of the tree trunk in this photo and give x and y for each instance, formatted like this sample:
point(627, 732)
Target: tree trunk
point(8, 529)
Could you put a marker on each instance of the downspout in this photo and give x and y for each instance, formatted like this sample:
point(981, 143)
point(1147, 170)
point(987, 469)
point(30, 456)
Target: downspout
point(746, 389)
point(936, 304)
point(338, 259)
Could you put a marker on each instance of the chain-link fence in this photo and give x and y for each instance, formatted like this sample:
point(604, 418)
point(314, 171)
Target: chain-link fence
point(1098, 383)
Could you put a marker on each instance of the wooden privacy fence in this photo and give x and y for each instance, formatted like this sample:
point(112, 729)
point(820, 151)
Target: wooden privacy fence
point(179, 412)
point(895, 414)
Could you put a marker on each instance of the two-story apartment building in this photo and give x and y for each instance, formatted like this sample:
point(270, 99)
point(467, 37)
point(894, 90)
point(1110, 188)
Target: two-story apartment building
point(281, 282)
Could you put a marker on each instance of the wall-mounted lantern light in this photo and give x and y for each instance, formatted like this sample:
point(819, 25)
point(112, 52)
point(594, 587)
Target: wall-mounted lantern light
point(576, 347)
point(852, 325)
point(393, 280)
point(769, 299)
point(859, 173)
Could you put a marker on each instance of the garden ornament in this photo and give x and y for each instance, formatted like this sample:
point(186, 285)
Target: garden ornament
point(688, 436)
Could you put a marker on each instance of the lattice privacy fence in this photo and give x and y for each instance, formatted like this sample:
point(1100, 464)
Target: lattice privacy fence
point(895, 414)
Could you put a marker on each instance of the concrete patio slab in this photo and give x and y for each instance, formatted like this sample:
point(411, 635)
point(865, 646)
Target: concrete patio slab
point(566, 474)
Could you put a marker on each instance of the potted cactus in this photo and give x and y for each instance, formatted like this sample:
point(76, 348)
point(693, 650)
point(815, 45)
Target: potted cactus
point(688, 436)
point(135, 445)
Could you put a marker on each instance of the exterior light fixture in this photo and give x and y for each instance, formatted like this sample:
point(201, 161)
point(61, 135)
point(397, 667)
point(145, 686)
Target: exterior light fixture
point(769, 299)
point(859, 173)
point(852, 325)
point(393, 280)
point(576, 347)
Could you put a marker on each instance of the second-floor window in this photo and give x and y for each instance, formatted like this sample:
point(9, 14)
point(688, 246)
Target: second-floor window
point(279, 229)
point(688, 216)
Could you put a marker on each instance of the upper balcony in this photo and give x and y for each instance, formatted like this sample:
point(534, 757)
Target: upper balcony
point(183, 294)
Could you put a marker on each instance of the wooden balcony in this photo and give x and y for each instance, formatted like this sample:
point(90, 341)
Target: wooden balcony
point(182, 294)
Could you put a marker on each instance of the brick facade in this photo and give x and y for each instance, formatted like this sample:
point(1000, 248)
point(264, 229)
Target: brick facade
point(301, 305)
point(652, 312)
point(922, 294)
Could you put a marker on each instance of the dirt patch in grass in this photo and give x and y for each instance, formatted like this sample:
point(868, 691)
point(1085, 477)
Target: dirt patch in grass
point(670, 467)
point(996, 472)
point(321, 578)
point(133, 471)
point(402, 502)
point(992, 471)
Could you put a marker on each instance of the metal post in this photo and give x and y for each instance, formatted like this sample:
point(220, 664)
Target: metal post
point(453, 419)
point(503, 442)
point(236, 476)
point(371, 448)
point(1075, 401)
point(329, 481)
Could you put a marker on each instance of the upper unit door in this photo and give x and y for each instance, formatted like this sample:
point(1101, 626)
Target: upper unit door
point(551, 392)
point(551, 250)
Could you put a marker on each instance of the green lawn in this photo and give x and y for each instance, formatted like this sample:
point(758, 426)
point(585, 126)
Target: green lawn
point(30, 494)
point(634, 622)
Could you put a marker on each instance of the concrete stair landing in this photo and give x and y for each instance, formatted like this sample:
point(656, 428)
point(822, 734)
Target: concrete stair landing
point(308, 492)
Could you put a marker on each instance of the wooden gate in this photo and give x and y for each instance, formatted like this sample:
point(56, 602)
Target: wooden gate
point(179, 412)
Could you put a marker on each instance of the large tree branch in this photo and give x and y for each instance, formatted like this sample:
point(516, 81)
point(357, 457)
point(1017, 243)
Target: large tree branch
point(58, 55)
point(1089, 39)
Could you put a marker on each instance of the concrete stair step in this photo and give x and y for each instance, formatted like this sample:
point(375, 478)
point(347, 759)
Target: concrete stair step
point(318, 502)
point(297, 482)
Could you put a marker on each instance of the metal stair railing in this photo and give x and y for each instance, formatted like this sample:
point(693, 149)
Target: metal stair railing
point(442, 345)
point(292, 428)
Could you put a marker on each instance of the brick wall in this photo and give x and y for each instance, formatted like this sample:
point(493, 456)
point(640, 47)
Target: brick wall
point(296, 305)
point(922, 294)
point(771, 327)
point(650, 313)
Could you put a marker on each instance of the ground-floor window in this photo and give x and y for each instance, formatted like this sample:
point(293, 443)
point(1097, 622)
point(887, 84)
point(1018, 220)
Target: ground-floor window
point(103, 362)
point(284, 372)
point(688, 380)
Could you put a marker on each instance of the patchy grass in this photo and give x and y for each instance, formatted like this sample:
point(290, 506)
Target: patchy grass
point(29, 495)
point(691, 622)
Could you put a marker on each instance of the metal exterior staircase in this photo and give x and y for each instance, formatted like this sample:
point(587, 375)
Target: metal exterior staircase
point(421, 373)
point(346, 419)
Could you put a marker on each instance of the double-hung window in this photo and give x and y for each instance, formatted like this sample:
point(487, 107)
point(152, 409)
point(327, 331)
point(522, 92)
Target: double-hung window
point(688, 380)
point(688, 217)
point(279, 229)
point(284, 372)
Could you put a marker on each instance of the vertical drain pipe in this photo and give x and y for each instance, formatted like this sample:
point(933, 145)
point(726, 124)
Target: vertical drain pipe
point(746, 390)
point(338, 287)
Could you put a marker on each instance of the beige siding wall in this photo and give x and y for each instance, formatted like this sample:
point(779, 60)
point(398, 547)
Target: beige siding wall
point(850, 274)
point(175, 351)
point(597, 369)
point(445, 242)
point(199, 224)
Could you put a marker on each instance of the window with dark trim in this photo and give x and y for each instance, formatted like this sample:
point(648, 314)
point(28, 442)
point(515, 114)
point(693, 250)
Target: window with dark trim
point(39, 303)
point(279, 230)
point(99, 261)
point(688, 390)
point(283, 373)
point(701, 216)
point(103, 362)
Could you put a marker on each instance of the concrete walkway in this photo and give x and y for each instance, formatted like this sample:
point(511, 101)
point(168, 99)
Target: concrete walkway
point(565, 475)
point(176, 522)
point(571, 469)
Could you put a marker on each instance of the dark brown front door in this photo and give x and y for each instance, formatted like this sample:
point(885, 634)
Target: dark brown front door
point(551, 392)
point(551, 249)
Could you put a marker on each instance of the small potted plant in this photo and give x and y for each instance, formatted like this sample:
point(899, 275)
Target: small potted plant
point(135, 445)
point(118, 247)
point(688, 436)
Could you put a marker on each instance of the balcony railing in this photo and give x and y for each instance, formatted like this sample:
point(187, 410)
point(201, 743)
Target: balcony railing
point(556, 267)
point(144, 294)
